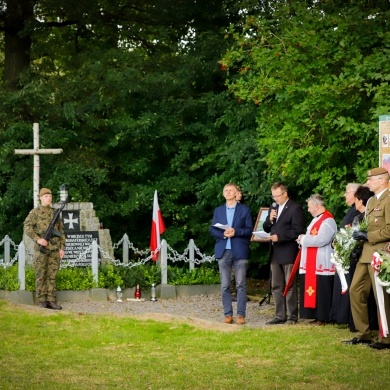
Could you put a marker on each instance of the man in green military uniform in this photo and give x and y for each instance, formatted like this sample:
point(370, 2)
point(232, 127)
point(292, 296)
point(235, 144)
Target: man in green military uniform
point(376, 237)
point(46, 264)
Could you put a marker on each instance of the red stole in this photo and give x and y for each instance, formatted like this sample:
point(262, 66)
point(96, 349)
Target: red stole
point(310, 294)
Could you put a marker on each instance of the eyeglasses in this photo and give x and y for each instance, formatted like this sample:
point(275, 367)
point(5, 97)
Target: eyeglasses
point(278, 196)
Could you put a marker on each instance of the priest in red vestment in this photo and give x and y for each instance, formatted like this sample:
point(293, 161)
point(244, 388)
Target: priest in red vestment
point(316, 270)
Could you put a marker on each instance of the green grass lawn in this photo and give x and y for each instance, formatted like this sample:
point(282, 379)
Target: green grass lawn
point(41, 349)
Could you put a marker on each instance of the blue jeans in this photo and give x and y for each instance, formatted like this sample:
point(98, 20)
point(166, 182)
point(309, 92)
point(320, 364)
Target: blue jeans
point(226, 262)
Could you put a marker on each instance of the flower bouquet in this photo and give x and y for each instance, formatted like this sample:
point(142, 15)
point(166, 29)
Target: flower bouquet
point(381, 263)
point(344, 245)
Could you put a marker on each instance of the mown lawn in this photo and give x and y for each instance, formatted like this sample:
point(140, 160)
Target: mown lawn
point(41, 349)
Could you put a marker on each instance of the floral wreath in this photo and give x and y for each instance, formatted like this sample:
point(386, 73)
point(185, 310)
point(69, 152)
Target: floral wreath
point(381, 263)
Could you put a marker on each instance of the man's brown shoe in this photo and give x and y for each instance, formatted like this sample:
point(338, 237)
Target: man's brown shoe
point(228, 320)
point(240, 320)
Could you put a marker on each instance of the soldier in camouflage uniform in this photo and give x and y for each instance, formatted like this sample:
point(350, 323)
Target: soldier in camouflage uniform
point(46, 264)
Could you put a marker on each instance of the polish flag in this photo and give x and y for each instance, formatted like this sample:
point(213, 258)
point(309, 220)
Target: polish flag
point(157, 227)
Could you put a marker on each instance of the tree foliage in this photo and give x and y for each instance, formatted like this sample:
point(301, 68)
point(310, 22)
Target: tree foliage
point(133, 94)
point(319, 74)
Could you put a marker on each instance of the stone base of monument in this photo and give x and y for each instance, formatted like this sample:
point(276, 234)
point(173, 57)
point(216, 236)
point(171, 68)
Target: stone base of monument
point(135, 299)
point(198, 289)
point(166, 291)
point(22, 297)
point(98, 294)
point(73, 296)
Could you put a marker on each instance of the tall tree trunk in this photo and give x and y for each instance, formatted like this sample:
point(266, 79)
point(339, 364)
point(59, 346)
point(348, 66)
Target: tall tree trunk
point(17, 40)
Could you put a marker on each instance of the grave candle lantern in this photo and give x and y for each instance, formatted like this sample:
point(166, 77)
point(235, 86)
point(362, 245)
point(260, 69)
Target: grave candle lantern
point(119, 294)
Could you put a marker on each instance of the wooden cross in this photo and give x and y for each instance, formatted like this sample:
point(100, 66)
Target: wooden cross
point(36, 152)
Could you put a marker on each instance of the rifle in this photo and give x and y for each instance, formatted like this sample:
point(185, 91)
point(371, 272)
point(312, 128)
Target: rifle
point(51, 231)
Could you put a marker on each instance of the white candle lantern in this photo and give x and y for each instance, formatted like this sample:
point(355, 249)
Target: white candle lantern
point(153, 293)
point(63, 193)
point(119, 294)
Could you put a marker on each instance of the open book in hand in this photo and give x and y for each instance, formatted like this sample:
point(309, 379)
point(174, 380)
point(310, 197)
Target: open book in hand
point(220, 226)
point(261, 234)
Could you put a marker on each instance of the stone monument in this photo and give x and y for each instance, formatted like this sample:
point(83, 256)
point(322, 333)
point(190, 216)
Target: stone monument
point(81, 227)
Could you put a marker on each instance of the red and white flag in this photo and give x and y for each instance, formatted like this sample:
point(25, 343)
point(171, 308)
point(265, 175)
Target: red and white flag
point(157, 227)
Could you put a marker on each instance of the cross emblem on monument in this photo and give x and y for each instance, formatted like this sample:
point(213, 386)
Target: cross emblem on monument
point(71, 221)
point(36, 152)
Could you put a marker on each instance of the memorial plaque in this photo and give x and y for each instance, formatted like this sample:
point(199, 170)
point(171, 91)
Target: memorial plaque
point(76, 244)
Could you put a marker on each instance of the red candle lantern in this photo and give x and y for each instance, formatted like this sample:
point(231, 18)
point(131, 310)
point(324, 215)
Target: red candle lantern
point(137, 294)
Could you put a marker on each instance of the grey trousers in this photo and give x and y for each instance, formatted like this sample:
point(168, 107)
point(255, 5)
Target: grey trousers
point(285, 307)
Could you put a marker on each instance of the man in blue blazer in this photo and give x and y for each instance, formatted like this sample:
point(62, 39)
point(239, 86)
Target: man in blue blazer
point(232, 228)
point(285, 222)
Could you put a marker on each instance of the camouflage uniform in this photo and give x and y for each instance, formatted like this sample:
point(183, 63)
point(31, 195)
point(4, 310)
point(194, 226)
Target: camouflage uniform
point(46, 265)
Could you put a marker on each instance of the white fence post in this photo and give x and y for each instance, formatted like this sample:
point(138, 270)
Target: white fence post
point(95, 259)
point(22, 266)
point(164, 262)
point(192, 254)
point(7, 250)
point(125, 247)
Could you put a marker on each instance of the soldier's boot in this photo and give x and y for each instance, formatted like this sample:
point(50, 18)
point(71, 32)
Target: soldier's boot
point(54, 306)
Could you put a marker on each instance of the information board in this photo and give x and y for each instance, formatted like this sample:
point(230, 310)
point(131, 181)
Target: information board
point(384, 141)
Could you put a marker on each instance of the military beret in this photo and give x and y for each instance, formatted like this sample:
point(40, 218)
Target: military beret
point(377, 171)
point(44, 191)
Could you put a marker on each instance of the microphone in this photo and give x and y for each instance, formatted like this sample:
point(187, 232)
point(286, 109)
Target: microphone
point(274, 206)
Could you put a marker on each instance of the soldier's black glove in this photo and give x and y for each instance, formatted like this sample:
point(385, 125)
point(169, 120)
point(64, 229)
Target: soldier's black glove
point(360, 236)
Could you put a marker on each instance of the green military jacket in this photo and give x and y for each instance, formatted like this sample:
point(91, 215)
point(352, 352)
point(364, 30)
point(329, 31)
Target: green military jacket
point(378, 216)
point(37, 222)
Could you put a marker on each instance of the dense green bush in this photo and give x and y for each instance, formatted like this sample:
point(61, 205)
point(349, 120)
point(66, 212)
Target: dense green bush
point(77, 278)
point(30, 278)
point(182, 276)
point(9, 278)
point(142, 275)
point(110, 277)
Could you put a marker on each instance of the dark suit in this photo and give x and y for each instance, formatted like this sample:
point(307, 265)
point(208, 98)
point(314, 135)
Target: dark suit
point(288, 226)
point(378, 215)
point(235, 258)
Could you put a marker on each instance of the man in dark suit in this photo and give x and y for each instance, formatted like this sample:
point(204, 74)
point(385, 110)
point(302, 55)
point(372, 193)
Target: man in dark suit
point(232, 228)
point(285, 222)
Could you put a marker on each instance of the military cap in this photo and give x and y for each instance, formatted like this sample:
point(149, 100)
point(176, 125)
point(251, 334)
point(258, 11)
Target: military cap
point(44, 191)
point(377, 171)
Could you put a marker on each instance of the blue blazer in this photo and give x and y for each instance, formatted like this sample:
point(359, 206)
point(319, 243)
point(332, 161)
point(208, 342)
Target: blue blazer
point(243, 226)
